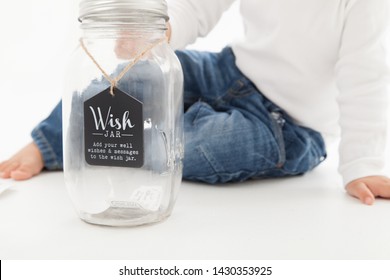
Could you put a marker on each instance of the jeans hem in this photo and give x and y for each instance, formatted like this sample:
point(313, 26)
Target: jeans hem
point(50, 159)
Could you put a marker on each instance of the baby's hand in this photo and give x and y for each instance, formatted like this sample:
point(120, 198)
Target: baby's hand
point(129, 44)
point(367, 188)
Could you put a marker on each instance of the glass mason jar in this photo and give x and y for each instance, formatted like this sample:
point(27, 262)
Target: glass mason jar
point(123, 115)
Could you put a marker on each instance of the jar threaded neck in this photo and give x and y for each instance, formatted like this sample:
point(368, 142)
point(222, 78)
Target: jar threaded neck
point(123, 13)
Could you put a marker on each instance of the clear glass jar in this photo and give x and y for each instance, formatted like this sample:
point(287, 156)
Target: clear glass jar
point(123, 140)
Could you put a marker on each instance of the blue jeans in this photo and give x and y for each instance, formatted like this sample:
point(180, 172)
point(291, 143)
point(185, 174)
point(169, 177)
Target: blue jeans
point(232, 131)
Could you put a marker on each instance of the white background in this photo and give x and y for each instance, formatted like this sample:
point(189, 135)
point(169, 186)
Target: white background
point(37, 37)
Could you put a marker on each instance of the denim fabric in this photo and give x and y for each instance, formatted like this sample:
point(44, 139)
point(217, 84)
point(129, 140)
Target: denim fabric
point(47, 135)
point(232, 131)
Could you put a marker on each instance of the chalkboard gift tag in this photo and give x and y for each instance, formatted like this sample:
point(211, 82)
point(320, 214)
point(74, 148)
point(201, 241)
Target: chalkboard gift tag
point(113, 130)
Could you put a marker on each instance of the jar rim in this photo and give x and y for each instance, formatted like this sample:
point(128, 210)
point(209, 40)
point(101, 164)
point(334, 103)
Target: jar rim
point(106, 10)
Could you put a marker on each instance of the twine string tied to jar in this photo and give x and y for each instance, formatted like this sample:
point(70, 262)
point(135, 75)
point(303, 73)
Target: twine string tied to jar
point(114, 81)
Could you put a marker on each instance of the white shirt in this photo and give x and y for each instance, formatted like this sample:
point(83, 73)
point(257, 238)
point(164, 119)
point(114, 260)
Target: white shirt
point(322, 61)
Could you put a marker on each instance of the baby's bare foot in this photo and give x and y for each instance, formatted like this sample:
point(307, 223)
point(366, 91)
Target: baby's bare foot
point(25, 164)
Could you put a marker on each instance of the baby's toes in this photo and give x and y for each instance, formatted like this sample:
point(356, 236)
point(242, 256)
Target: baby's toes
point(3, 164)
point(22, 173)
point(6, 170)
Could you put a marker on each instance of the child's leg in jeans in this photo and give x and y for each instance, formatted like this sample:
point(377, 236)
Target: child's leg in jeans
point(45, 151)
point(232, 132)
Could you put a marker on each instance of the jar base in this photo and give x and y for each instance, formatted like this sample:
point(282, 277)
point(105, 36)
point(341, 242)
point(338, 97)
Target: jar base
point(122, 217)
